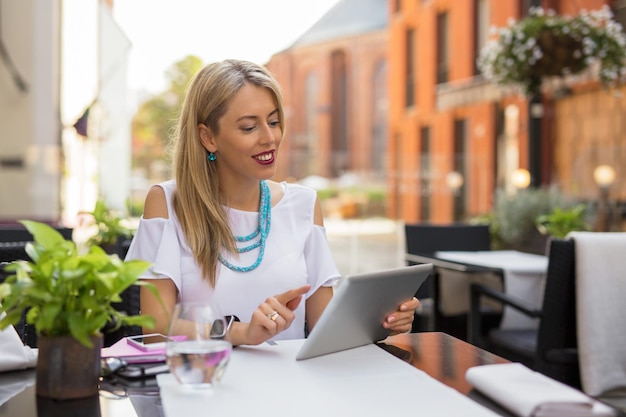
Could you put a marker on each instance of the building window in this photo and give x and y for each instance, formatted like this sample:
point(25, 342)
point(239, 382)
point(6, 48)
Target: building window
point(619, 10)
point(425, 167)
point(310, 147)
point(442, 48)
point(339, 113)
point(459, 190)
point(410, 68)
point(524, 6)
point(397, 6)
point(399, 175)
point(481, 29)
point(379, 119)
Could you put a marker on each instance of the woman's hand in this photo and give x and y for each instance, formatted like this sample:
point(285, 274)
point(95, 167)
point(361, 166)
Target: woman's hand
point(272, 316)
point(401, 321)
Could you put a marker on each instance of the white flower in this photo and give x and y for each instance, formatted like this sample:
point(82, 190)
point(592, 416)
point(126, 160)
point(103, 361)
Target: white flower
point(510, 58)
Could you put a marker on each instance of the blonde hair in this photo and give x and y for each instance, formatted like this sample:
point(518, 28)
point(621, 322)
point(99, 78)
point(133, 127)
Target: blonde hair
point(198, 198)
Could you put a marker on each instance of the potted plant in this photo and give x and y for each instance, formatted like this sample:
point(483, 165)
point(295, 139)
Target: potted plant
point(561, 221)
point(111, 226)
point(545, 44)
point(68, 297)
point(512, 220)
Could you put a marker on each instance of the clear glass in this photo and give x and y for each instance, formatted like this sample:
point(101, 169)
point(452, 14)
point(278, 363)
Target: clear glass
point(199, 352)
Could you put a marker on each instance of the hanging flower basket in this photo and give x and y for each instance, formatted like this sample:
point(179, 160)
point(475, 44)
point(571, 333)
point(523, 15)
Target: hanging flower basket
point(545, 44)
point(559, 55)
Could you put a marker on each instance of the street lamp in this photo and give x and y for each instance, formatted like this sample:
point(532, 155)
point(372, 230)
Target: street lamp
point(604, 176)
point(454, 181)
point(520, 178)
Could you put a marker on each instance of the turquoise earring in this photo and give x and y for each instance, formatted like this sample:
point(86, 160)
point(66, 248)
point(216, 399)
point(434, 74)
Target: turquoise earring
point(211, 157)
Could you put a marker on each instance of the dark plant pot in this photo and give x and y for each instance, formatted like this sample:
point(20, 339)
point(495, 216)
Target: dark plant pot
point(81, 407)
point(66, 369)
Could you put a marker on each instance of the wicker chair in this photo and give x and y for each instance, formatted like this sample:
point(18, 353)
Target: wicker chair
point(426, 239)
point(552, 348)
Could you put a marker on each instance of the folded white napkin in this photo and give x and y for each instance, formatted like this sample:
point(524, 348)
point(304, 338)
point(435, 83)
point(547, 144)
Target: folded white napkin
point(527, 393)
point(15, 355)
point(600, 292)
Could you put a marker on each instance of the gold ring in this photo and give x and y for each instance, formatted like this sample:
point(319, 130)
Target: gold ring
point(273, 315)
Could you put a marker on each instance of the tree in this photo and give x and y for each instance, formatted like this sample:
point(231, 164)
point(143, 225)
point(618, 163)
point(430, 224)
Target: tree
point(155, 121)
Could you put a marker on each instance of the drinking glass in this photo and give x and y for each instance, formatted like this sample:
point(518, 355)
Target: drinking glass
point(198, 353)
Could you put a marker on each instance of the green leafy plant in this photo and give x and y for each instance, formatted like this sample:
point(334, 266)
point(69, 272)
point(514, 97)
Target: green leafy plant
point(561, 221)
point(111, 225)
point(512, 220)
point(547, 44)
point(67, 293)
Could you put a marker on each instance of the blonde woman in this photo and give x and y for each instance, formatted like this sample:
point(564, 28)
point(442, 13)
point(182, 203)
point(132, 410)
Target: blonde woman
point(223, 231)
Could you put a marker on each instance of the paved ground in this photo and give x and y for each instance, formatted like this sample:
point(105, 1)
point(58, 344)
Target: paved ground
point(364, 245)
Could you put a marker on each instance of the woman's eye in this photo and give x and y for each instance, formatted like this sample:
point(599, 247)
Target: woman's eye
point(274, 123)
point(247, 128)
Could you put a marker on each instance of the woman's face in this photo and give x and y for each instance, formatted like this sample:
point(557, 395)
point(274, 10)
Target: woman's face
point(249, 136)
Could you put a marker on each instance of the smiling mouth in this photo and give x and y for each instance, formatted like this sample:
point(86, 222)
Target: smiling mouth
point(265, 158)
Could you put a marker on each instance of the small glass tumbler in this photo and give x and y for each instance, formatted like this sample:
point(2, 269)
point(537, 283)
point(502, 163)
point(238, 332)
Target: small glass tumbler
point(198, 353)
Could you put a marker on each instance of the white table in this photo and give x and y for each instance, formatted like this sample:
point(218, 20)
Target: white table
point(366, 381)
point(524, 278)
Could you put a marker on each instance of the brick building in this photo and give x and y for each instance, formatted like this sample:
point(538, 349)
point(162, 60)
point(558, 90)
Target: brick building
point(334, 80)
point(454, 138)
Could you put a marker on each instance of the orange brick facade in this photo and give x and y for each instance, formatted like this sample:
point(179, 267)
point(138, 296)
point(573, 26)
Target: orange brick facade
point(347, 112)
point(320, 138)
point(464, 125)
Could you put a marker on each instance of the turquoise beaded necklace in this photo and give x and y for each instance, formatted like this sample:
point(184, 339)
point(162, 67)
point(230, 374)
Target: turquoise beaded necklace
point(263, 229)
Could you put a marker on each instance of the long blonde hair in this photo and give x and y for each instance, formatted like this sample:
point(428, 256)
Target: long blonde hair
point(198, 198)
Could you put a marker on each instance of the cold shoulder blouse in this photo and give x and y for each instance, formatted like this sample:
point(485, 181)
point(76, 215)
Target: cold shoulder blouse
point(296, 253)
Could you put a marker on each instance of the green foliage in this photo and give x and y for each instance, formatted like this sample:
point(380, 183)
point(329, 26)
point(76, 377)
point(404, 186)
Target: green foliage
point(512, 220)
point(560, 222)
point(67, 293)
point(155, 121)
point(326, 193)
point(110, 224)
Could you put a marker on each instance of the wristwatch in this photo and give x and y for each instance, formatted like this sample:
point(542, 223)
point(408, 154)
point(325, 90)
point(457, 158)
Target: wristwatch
point(220, 328)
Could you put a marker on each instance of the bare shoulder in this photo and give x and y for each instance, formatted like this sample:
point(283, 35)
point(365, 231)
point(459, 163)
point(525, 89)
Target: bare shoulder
point(156, 204)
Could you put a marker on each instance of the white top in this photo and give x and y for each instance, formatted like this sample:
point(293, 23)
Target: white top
point(296, 253)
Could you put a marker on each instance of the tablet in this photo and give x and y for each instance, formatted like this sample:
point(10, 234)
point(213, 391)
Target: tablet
point(355, 314)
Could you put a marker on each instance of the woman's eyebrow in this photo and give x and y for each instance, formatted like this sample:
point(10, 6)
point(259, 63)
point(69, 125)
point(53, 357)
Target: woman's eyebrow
point(245, 117)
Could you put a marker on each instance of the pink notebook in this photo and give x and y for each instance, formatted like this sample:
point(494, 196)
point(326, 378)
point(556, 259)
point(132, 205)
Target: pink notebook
point(124, 350)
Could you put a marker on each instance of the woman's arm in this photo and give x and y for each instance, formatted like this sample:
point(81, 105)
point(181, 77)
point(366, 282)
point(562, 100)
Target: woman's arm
point(316, 304)
point(399, 321)
point(318, 301)
point(156, 207)
point(151, 306)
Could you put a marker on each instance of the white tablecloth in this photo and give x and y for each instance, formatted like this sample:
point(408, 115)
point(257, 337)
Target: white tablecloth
point(524, 278)
point(266, 380)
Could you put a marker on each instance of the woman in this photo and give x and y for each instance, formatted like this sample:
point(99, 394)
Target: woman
point(221, 231)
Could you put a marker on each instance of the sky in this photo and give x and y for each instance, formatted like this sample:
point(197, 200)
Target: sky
point(163, 32)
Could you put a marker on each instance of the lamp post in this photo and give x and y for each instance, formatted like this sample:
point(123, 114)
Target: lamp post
point(535, 116)
point(454, 182)
point(604, 176)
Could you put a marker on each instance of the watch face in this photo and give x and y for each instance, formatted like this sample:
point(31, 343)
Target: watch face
point(221, 327)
